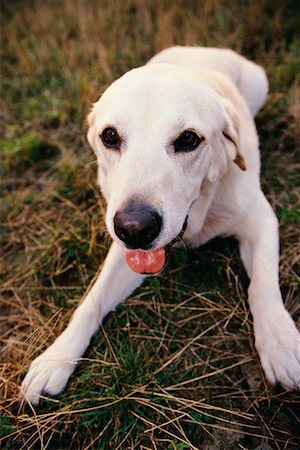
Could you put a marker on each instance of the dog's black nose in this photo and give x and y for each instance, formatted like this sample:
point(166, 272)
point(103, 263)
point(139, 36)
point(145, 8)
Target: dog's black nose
point(137, 225)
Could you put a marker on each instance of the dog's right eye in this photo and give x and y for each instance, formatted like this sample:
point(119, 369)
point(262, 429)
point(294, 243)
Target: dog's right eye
point(110, 138)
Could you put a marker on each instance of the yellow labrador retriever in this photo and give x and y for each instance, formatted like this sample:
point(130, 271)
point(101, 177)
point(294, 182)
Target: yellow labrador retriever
point(178, 159)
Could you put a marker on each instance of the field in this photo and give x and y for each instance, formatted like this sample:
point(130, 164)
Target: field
point(174, 367)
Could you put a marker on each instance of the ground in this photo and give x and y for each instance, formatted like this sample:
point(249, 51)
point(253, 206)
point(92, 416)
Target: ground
point(174, 367)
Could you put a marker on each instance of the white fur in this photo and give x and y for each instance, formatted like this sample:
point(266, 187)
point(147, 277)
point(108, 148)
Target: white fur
point(215, 92)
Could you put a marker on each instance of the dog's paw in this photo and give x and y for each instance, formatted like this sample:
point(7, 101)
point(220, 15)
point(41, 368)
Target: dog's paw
point(278, 344)
point(48, 373)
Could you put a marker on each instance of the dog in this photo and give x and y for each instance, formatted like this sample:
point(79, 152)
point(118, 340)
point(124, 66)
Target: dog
point(178, 160)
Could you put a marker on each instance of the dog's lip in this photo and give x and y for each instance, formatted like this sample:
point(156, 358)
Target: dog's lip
point(178, 238)
point(180, 235)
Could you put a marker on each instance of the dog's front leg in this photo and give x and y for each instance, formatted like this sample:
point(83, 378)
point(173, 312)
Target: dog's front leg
point(276, 337)
point(49, 372)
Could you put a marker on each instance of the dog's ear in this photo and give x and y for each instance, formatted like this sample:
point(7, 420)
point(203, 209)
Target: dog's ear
point(91, 117)
point(231, 134)
point(90, 122)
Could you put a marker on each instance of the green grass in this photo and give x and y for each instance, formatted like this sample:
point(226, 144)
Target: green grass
point(174, 367)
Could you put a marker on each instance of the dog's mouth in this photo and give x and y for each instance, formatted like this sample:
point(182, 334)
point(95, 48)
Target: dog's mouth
point(151, 262)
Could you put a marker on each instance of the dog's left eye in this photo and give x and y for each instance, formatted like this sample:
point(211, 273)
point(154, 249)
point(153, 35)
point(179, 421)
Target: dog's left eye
point(110, 138)
point(187, 141)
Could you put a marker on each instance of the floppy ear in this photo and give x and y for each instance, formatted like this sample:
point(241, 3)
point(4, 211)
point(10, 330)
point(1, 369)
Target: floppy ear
point(91, 117)
point(90, 121)
point(231, 134)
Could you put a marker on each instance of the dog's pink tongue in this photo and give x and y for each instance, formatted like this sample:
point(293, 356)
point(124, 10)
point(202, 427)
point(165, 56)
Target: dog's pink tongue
point(150, 261)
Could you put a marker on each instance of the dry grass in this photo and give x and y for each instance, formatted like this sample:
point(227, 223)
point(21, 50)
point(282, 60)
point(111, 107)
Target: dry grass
point(174, 367)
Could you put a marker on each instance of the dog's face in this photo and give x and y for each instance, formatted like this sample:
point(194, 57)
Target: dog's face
point(158, 133)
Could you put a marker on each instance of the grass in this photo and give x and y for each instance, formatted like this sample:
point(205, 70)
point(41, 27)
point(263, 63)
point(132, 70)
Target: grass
point(174, 367)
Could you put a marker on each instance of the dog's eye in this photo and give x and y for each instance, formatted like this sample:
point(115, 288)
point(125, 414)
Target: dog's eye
point(187, 141)
point(110, 138)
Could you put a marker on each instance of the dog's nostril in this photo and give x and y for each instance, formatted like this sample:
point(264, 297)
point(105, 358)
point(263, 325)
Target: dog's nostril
point(137, 225)
point(123, 235)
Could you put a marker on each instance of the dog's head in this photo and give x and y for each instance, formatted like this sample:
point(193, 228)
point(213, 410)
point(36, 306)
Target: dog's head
point(159, 132)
